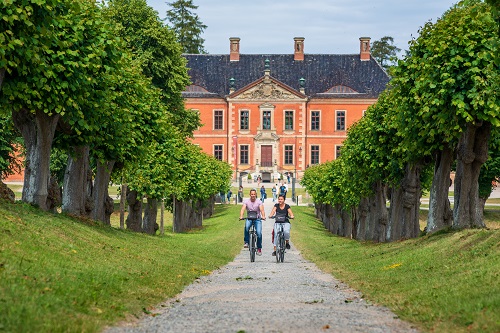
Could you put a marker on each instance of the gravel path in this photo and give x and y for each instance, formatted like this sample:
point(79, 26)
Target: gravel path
point(294, 296)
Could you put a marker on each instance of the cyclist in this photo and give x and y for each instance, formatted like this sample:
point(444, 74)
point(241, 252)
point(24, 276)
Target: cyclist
point(253, 204)
point(282, 208)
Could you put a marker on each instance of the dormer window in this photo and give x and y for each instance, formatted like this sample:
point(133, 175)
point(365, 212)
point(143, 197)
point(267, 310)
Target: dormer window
point(195, 88)
point(341, 89)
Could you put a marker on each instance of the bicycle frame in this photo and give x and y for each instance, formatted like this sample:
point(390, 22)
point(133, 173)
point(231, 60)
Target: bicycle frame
point(280, 243)
point(252, 241)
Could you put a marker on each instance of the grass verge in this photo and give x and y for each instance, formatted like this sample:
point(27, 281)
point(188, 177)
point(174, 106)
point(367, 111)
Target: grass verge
point(59, 274)
point(446, 282)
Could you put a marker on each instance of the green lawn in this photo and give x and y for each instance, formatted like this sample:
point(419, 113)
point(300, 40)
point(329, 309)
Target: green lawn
point(446, 282)
point(59, 274)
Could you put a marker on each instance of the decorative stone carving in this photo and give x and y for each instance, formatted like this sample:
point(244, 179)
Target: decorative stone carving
point(267, 91)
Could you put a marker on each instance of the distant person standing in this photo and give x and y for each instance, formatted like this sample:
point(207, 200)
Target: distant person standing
point(240, 194)
point(283, 190)
point(288, 177)
point(275, 192)
point(229, 195)
point(263, 194)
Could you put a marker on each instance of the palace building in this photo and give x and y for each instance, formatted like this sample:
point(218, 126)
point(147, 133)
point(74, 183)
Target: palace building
point(271, 114)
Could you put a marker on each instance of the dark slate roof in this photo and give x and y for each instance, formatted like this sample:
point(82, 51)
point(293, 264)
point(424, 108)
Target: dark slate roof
point(321, 72)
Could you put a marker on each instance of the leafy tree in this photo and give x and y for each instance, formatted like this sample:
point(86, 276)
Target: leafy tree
point(61, 47)
point(449, 102)
point(187, 26)
point(154, 45)
point(385, 52)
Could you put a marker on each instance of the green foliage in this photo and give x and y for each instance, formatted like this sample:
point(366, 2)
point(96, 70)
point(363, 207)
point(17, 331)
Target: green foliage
point(173, 166)
point(10, 146)
point(489, 176)
point(447, 81)
point(63, 275)
point(385, 52)
point(155, 47)
point(58, 48)
point(187, 26)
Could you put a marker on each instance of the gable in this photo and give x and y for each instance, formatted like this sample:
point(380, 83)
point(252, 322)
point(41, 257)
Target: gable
point(266, 89)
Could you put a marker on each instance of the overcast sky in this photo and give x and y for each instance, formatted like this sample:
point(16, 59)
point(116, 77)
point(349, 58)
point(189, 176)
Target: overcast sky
point(333, 26)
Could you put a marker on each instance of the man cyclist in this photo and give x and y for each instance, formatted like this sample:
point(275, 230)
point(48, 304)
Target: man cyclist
point(253, 204)
point(282, 209)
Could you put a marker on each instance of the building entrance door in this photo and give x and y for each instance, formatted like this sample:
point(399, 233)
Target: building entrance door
point(266, 155)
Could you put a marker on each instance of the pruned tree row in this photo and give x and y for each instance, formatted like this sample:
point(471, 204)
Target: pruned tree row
point(95, 93)
point(441, 110)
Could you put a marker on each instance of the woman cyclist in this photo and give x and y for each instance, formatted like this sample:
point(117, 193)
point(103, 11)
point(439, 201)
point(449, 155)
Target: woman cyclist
point(253, 204)
point(282, 208)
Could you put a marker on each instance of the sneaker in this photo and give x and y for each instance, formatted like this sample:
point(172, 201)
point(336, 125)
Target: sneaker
point(259, 252)
point(287, 246)
point(245, 246)
point(274, 254)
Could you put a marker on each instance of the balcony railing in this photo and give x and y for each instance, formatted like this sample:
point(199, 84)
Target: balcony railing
point(266, 164)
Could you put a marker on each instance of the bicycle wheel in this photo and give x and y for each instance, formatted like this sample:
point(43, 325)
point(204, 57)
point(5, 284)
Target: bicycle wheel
point(251, 246)
point(282, 247)
point(277, 240)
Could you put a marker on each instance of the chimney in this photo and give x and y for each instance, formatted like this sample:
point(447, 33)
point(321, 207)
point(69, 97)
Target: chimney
point(298, 54)
point(234, 54)
point(364, 48)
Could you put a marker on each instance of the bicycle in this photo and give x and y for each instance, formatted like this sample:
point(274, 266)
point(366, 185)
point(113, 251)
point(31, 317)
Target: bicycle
point(280, 238)
point(252, 232)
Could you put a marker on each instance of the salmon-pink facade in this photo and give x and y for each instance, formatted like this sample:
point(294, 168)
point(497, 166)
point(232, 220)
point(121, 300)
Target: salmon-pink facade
point(269, 124)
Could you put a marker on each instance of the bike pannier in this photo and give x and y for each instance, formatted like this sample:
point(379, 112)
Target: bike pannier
point(251, 215)
point(280, 218)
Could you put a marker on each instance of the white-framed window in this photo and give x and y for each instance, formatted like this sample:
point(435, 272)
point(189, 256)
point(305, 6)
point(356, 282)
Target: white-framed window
point(289, 120)
point(315, 120)
point(219, 152)
point(340, 120)
point(244, 154)
point(337, 151)
point(314, 154)
point(218, 119)
point(244, 120)
point(288, 155)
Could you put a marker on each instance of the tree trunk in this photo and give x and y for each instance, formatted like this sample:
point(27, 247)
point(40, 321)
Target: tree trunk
point(381, 216)
point(149, 224)
point(162, 217)
point(179, 222)
point(372, 215)
point(123, 195)
point(103, 203)
point(38, 133)
point(405, 206)
point(472, 154)
point(75, 193)
point(375, 224)
point(327, 217)
point(440, 215)
point(134, 217)
point(54, 195)
point(362, 212)
point(346, 222)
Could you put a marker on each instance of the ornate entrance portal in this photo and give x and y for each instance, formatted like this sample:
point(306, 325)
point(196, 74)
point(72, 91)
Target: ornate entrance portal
point(266, 155)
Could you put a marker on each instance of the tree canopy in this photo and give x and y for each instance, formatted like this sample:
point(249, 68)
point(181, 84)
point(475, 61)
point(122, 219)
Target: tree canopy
point(187, 26)
point(385, 52)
